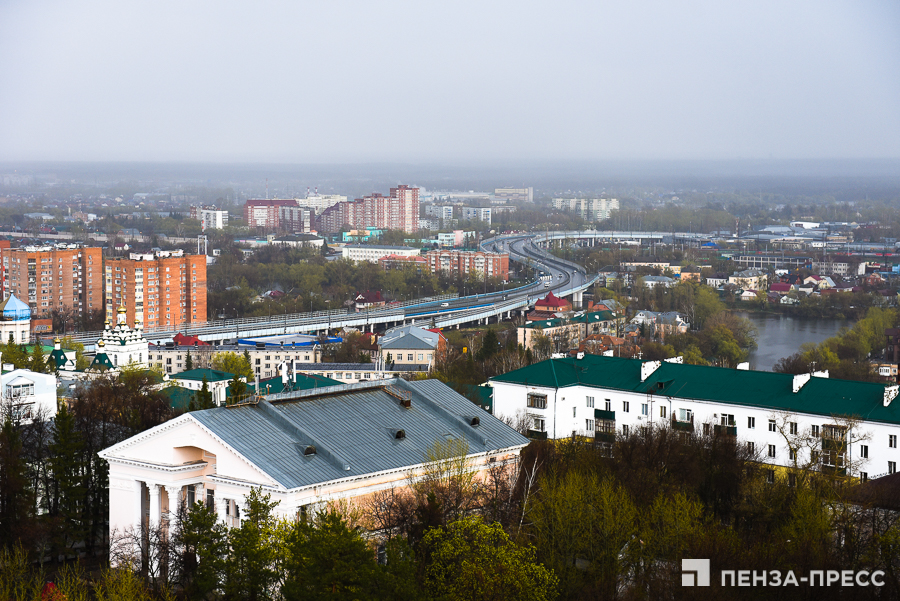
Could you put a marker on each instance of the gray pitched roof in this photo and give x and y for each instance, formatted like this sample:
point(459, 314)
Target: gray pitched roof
point(353, 429)
point(409, 337)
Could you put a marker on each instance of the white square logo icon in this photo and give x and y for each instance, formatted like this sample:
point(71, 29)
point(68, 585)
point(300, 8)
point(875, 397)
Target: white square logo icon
point(694, 572)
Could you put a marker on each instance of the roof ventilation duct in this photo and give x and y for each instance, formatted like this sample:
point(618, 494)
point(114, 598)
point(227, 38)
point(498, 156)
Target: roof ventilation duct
point(800, 380)
point(890, 393)
point(400, 434)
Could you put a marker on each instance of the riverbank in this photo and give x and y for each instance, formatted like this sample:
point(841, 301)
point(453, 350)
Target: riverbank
point(781, 335)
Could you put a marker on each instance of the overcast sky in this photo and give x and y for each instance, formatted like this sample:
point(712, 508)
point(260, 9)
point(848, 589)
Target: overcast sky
point(460, 80)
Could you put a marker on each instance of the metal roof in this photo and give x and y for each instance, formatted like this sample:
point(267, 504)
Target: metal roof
point(409, 337)
point(353, 429)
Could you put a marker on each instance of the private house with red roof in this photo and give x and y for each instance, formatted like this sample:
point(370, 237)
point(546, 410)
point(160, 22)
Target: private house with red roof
point(182, 340)
point(368, 300)
point(780, 288)
point(552, 304)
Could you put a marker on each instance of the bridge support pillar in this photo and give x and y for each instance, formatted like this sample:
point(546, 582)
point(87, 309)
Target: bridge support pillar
point(577, 298)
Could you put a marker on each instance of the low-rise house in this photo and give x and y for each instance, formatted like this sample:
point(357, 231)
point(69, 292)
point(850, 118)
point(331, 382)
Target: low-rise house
point(652, 281)
point(364, 301)
point(719, 279)
point(749, 279)
point(411, 348)
point(780, 288)
point(27, 394)
point(748, 295)
point(307, 449)
point(217, 382)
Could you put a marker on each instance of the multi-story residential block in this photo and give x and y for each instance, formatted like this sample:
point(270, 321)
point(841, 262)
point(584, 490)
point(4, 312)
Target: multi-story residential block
point(836, 426)
point(504, 195)
point(439, 211)
point(464, 262)
point(590, 209)
point(749, 279)
point(373, 252)
point(771, 261)
point(53, 277)
point(831, 267)
point(399, 211)
point(165, 289)
point(477, 214)
point(210, 218)
point(319, 202)
point(279, 214)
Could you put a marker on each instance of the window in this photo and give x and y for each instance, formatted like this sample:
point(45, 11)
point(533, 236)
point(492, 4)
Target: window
point(814, 431)
point(625, 406)
point(706, 429)
point(20, 390)
point(770, 476)
point(538, 424)
point(772, 425)
point(625, 430)
point(864, 476)
point(892, 467)
point(662, 411)
point(537, 401)
point(751, 422)
point(590, 402)
point(191, 497)
point(771, 450)
point(751, 447)
point(792, 455)
point(589, 425)
point(792, 480)
point(793, 427)
point(608, 404)
point(645, 409)
point(574, 412)
point(210, 500)
point(685, 415)
point(727, 420)
point(864, 451)
point(892, 441)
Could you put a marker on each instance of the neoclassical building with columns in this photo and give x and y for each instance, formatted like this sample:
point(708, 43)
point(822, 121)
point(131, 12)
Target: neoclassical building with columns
point(304, 448)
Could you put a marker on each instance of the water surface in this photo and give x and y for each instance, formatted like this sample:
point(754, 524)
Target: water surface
point(781, 335)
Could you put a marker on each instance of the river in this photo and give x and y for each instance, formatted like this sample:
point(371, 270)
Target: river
point(780, 335)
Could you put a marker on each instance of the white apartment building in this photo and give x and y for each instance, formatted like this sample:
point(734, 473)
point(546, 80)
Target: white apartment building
point(373, 252)
point(210, 218)
point(320, 202)
point(808, 418)
point(590, 209)
point(477, 214)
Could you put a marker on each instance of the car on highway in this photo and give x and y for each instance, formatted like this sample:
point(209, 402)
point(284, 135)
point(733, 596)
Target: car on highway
point(445, 304)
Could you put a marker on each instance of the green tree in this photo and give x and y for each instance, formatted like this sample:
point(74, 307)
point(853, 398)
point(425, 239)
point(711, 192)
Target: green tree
point(205, 551)
point(37, 362)
point(233, 363)
point(237, 387)
point(469, 561)
point(328, 560)
point(69, 343)
point(66, 464)
point(15, 354)
point(251, 572)
point(203, 398)
point(188, 362)
point(16, 497)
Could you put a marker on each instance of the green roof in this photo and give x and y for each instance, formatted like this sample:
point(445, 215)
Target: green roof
point(821, 396)
point(179, 398)
point(594, 317)
point(546, 323)
point(211, 375)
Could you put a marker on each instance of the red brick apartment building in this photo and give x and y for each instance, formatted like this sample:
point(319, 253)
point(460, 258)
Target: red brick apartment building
point(464, 262)
point(167, 289)
point(47, 277)
point(399, 211)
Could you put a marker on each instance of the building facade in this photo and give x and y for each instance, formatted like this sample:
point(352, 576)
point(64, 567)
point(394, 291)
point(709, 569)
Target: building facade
point(53, 277)
point(465, 262)
point(210, 218)
point(589, 209)
point(165, 289)
point(373, 252)
point(399, 211)
point(278, 214)
point(789, 420)
point(305, 448)
point(477, 214)
point(504, 195)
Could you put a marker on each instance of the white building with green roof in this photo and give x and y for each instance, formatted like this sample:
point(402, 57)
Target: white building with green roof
point(790, 420)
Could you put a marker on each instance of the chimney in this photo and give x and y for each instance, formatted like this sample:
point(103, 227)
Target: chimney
point(890, 393)
point(745, 366)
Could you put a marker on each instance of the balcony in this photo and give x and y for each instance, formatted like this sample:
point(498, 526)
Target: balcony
point(537, 434)
point(683, 426)
point(608, 437)
point(721, 430)
point(602, 414)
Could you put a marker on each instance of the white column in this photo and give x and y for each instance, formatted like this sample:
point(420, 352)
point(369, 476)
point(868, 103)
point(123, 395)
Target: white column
point(138, 518)
point(220, 508)
point(154, 504)
point(173, 492)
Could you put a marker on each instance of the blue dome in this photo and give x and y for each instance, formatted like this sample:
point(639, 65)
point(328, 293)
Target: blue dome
point(14, 309)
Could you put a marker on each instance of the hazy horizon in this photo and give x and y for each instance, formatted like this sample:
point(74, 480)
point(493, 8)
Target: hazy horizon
point(404, 82)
